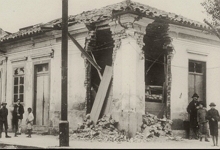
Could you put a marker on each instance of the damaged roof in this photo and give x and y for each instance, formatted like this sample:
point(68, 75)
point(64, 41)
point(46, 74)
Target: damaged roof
point(106, 13)
point(3, 33)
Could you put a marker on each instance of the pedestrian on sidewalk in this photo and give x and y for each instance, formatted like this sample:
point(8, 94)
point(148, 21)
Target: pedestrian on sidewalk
point(20, 115)
point(202, 121)
point(213, 117)
point(15, 119)
point(192, 110)
point(29, 122)
point(4, 120)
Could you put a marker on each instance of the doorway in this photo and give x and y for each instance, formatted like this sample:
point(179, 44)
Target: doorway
point(41, 94)
point(197, 80)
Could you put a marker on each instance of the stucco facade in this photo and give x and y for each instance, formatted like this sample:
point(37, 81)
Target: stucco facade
point(193, 45)
point(27, 54)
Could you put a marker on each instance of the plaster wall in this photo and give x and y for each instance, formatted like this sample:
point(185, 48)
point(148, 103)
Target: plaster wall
point(186, 50)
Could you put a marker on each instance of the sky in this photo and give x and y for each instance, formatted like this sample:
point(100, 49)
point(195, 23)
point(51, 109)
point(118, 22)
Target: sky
point(16, 14)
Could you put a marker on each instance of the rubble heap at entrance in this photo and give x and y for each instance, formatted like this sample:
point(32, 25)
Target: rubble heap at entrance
point(106, 130)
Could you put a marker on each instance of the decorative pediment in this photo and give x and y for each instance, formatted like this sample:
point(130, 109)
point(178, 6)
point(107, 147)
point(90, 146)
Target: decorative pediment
point(18, 59)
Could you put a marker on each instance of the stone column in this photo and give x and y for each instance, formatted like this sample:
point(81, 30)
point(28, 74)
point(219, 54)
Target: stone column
point(128, 104)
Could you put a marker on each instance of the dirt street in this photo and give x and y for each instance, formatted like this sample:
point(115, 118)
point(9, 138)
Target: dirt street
point(48, 141)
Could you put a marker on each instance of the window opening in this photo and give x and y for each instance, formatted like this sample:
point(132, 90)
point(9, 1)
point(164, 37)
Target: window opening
point(19, 84)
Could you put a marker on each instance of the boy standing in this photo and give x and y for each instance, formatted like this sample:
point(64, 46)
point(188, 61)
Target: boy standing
point(213, 117)
point(29, 121)
point(202, 121)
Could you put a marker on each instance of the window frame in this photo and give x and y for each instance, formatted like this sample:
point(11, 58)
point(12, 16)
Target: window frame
point(19, 84)
point(194, 71)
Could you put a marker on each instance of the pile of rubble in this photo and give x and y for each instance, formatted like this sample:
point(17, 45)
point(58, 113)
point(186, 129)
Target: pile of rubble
point(106, 130)
point(153, 127)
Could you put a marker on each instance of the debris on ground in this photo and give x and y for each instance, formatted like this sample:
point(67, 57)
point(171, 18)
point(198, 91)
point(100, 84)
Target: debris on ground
point(177, 138)
point(152, 128)
point(105, 130)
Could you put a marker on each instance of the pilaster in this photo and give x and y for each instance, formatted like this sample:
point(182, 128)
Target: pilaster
point(128, 104)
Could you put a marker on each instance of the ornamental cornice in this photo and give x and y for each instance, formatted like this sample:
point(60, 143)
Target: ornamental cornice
point(125, 33)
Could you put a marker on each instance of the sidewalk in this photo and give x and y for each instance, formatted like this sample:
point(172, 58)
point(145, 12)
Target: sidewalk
point(49, 141)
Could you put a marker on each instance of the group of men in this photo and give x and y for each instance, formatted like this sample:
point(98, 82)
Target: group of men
point(200, 118)
point(17, 117)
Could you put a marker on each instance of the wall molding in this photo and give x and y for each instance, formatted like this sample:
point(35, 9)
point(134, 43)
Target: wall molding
point(197, 52)
point(24, 58)
point(43, 55)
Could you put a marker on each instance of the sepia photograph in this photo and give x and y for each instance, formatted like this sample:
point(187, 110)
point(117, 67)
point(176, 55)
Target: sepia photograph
point(109, 74)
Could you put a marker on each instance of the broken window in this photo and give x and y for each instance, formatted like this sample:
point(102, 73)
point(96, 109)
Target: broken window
point(19, 84)
point(195, 67)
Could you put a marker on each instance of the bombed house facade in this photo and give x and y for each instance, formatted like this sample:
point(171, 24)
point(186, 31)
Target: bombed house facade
point(158, 60)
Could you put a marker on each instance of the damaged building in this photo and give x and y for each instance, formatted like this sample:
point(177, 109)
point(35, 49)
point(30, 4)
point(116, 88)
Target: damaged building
point(154, 62)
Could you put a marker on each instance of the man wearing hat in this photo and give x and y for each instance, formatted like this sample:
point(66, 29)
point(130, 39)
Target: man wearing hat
point(192, 110)
point(3, 119)
point(20, 112)
point(213, 117)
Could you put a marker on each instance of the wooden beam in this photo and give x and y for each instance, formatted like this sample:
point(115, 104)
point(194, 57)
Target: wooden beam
point(88, 57)
point(101, 94)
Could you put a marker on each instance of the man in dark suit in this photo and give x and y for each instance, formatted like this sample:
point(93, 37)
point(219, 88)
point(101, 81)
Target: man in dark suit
point(192, 110)
point(20, 113)
point(3, 120)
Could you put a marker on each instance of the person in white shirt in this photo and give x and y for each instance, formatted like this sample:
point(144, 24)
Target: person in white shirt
point(29, 121)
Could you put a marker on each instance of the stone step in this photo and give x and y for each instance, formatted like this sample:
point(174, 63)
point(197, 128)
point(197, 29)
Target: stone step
point(40, 128)
point(45, 130)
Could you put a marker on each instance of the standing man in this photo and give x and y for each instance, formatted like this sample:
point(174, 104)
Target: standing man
point(15, 119)
point(20, 113)
point(3, 120)
point(192, 110)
